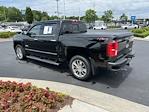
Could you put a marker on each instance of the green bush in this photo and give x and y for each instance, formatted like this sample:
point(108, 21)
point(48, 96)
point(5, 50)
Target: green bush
point(142, 32)
point(7, 34)
point(142, 35)
point(138, 30)
point(146, 28)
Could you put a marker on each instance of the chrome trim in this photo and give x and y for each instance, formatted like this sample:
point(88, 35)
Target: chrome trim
point(41, 51)
point(53, 40)
point(79, 68)
point(35, 39)
point(43, 60)
point(43, 35)
point(118, 62)
point(26, 45)
point(19, 53)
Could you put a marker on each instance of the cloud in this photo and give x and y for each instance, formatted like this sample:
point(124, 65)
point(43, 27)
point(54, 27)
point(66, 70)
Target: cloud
point(140, 8)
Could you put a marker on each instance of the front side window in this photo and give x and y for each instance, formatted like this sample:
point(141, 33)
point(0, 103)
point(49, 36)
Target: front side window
point(36, 30)
point(49, 29)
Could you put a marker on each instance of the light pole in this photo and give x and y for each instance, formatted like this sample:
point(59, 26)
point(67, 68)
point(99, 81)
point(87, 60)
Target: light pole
point(94, 5)
point(79, 12)
point(64, 10)
point(57, 8)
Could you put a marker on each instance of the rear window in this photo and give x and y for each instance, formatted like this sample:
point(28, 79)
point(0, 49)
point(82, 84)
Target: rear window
point(74, 27)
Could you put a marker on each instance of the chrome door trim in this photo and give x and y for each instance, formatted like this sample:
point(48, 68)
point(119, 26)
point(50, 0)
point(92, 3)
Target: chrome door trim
point(41, 51)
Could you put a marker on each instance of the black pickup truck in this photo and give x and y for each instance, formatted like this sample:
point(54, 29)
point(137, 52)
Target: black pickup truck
point(68, 42)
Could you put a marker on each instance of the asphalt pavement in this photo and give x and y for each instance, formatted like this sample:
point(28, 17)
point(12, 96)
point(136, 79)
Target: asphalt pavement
point(131, 83)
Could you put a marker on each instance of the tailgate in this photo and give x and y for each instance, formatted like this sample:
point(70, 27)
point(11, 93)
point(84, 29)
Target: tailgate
point(125, 46)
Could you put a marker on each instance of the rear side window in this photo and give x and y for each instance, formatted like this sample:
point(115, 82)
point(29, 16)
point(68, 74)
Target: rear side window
point(73, 27)
point(70, 28)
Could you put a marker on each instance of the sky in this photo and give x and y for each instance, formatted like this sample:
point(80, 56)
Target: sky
point(138, 8)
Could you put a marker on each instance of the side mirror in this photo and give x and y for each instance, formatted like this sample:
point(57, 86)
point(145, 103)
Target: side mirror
point(30, 34)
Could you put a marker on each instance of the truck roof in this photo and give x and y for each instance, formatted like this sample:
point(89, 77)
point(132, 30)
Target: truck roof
point(56, 21)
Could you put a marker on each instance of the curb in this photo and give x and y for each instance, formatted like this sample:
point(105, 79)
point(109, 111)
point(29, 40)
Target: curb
point(143, 39)
point(6, 40)
point(92, 98)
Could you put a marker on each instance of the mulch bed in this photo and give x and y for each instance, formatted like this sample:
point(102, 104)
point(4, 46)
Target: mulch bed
point(19, 97)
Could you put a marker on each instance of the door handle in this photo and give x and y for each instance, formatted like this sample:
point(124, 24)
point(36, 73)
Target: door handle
point(53, 40)
point(35, 39)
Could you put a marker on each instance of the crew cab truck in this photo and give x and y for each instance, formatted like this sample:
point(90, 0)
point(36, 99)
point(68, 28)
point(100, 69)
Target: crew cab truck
point(68, 42)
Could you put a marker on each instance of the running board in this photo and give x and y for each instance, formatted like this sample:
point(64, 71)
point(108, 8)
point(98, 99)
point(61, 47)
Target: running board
point(43, 60)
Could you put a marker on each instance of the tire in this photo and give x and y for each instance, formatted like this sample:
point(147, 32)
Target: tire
point(125, 28)
point(20, 52)
point(80, 67)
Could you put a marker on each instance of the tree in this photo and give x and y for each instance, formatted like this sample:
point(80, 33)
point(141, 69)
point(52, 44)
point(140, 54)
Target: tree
point(13, 14)
point(29, 15)
point(82, 18)
point(45, 16)
point(124, 18)
point(53, 17)
point(3, 13)
point(37, 15)
point(108, 16)
point(90, 16)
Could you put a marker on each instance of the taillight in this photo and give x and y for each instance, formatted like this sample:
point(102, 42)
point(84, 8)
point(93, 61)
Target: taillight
point(112, 49)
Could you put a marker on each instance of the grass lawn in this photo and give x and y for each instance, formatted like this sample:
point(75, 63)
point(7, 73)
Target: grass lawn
point(5, 35)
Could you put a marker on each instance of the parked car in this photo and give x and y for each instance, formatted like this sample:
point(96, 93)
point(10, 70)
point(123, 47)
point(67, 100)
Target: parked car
point(26, 28)
point(2, 29)
point(101, 27)
point(13, 29)
point(89, 26)
point(68, 42)
point(131, 26)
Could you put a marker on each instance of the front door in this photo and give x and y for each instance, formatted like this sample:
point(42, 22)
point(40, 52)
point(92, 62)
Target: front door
point(31, 40)
point(45, 44)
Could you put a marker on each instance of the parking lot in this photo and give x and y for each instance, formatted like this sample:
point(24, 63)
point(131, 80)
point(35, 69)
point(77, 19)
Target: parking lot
point(131, 83)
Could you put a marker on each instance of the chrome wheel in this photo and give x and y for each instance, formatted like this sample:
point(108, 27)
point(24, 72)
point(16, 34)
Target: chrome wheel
point(79, 68)
point(19, 53)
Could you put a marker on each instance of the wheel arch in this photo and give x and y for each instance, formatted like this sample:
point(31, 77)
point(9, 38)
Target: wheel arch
point(72, 51)
point(15, 43)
